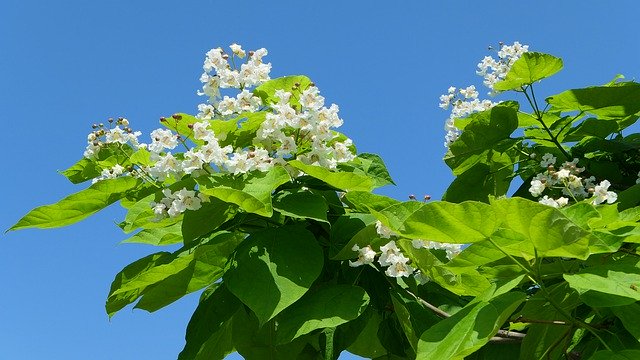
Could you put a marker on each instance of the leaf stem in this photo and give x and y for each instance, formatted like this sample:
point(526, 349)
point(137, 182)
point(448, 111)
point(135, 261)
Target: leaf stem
point(534, 105)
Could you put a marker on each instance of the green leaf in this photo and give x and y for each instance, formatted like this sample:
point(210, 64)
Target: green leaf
point(267, 90)
point(255, 341)
point(461, 281)
point(367, 343)
point(208, 218)
point(479, 183)
point(78, 206)
point(549, 231)
point(366, 236)
point(327, 307)
point(209, 331)
point(606, 286)
point(592, 127)
point(274, 268)
point(617, 355)
point(163, 278)
point(469, 329)
point(364, 201)
point(541, 338)
point(606, 102)
point(370, 165)
point(141, 215)
point(85, 169)
point(529, 68)
point(467, 222)
point(347, 181)
point(413, 317)
point(252, 192)
point(167, 235)
point(343, 231)
point(301, 204)
point(480, 142)
point(629, 315)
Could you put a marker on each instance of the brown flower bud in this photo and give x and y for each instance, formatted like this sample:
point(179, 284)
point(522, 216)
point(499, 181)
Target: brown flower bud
point(412, 197)
point(427, 197)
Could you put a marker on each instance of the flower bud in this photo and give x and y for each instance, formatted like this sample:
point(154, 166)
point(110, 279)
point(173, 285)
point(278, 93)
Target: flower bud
point(427, 197)
point(177, 116)
point(110, 120)
point(412, 197)
point(163, 119)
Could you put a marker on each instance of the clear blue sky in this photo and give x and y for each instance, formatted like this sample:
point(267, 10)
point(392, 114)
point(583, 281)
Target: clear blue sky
point(67, 64)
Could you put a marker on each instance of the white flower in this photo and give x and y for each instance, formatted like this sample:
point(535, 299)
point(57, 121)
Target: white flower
point(366, 255)
point(117, 135)
point(537, 187)
point(389, 252)
point(547, 160)
point(237, 50)
point(563, 174)
point(193, 160)
point(162, 139)
point(201, 131)
point(601, 193)
point(311, 99)
point(470, 92)
point(384, 231)
point(563, 201)
point(399, 267)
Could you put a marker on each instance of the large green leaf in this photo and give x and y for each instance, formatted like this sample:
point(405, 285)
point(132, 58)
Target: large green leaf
point(467, 222)
point(529, 68)
point(461, 281)
point(251, 192)
point(484, 139)
point(327, 307)
point(274, 268)
point(606, 102)
point(256, 341)
point(301, 204)
point(209, 217)
point(370, 165)
point(549, 231)
point(480, 182)
point(606, 286)
point(347, 181)
point(469, 329)
point(163, 278)
point(629, 315)
point(363, 201)
point(209, 331)
point(78, 206)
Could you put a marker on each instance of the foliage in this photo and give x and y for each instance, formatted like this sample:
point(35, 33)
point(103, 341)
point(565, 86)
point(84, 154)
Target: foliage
point(285, 254)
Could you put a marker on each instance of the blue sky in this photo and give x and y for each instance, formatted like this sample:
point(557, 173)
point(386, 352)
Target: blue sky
point(65, 65)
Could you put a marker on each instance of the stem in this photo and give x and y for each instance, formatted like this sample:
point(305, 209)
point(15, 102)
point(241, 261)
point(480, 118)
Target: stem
point(501, 334)
point(522, 319)
point(532, 101)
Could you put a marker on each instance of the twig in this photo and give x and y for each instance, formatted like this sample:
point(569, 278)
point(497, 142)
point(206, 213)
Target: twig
point(502, 335)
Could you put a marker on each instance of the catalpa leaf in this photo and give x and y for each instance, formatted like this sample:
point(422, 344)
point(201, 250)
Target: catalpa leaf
point(78, 206)
point(529, 68)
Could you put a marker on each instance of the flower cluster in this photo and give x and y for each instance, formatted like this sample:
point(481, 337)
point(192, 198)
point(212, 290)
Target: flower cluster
point(117, 132)
point(175, 203)
point(465, 101)
point(393, 259)
point(494, 70)
point(567, 179)
point(298, 125)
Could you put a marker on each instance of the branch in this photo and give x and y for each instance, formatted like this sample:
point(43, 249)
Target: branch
point(502, 336)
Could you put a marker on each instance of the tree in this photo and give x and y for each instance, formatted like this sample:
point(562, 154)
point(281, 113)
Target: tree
point(298, 258)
